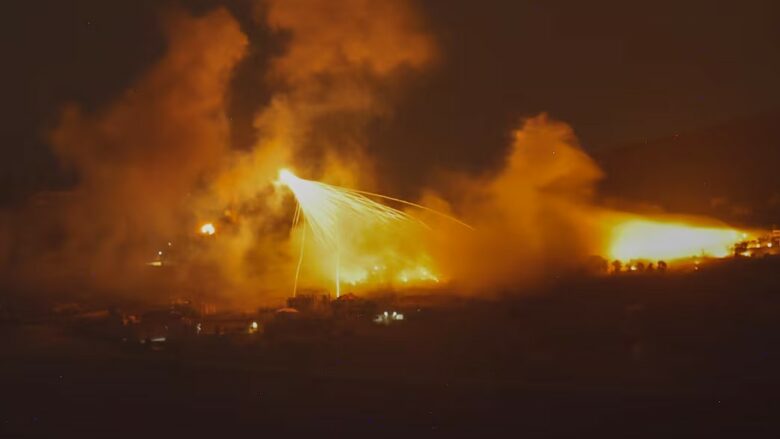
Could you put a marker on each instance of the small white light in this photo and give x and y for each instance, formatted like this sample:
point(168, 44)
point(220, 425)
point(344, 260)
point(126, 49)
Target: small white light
point(208, 229)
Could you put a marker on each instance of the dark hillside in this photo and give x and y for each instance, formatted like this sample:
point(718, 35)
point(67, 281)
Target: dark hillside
point(729, 171)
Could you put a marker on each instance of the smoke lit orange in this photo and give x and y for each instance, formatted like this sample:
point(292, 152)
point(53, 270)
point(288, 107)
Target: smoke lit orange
point(359, 240)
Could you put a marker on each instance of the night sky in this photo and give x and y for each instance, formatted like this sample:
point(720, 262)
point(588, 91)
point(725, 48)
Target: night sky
point(618, 72)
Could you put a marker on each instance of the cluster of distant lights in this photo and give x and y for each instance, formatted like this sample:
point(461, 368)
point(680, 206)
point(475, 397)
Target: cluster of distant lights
point(755, 245)
point(388, 317)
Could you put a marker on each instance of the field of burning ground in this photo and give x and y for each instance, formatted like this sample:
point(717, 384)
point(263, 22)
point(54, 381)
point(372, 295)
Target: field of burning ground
point(688, 354)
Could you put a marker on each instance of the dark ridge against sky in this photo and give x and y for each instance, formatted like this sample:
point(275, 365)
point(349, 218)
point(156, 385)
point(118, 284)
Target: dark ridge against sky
point(618, 72)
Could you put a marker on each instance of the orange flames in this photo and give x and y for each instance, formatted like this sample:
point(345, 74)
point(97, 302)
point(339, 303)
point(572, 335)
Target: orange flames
point(641, 238)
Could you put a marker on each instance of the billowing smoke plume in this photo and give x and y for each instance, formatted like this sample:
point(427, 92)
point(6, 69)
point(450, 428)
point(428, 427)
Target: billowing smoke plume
point(157, 163)
point(537, 218)
point(340, 65)
point(137, 160)
point(533, 217)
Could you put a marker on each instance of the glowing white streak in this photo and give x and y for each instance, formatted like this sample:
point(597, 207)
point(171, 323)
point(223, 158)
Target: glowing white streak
point(325, 207)
point(300, 260)
point(419, 206)
point(333, 213)
point(338, 275)
point(297, 215)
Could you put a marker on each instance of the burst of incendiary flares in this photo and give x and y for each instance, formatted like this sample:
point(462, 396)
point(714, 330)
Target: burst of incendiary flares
point(637, 239)
point(338, 217)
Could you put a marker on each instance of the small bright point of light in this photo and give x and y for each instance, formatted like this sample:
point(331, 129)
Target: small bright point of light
point(208, 229)
point(159, 253)
point(769, 245)
point(254, 325)
point(169, 243)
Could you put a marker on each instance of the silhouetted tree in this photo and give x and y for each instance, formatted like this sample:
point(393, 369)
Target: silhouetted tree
point(597, 265)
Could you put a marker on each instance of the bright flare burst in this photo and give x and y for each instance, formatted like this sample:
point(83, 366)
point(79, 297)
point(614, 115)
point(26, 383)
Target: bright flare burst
point(357, 233)
point(208, 229)
point(648, 239)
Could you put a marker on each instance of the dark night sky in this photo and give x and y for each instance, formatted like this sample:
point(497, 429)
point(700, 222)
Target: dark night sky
point(618, 71)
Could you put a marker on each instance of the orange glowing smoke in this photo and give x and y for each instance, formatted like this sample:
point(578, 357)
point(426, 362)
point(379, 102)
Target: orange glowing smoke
point(644, 238)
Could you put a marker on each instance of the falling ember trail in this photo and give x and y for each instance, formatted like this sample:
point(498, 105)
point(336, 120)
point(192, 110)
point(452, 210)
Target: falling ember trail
point(338, 275)
point(335, 214)
point(300, 255)
point(419, 206)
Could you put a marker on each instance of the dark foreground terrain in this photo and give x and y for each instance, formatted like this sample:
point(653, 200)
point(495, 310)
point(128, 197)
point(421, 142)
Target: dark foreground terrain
point(652, 356)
